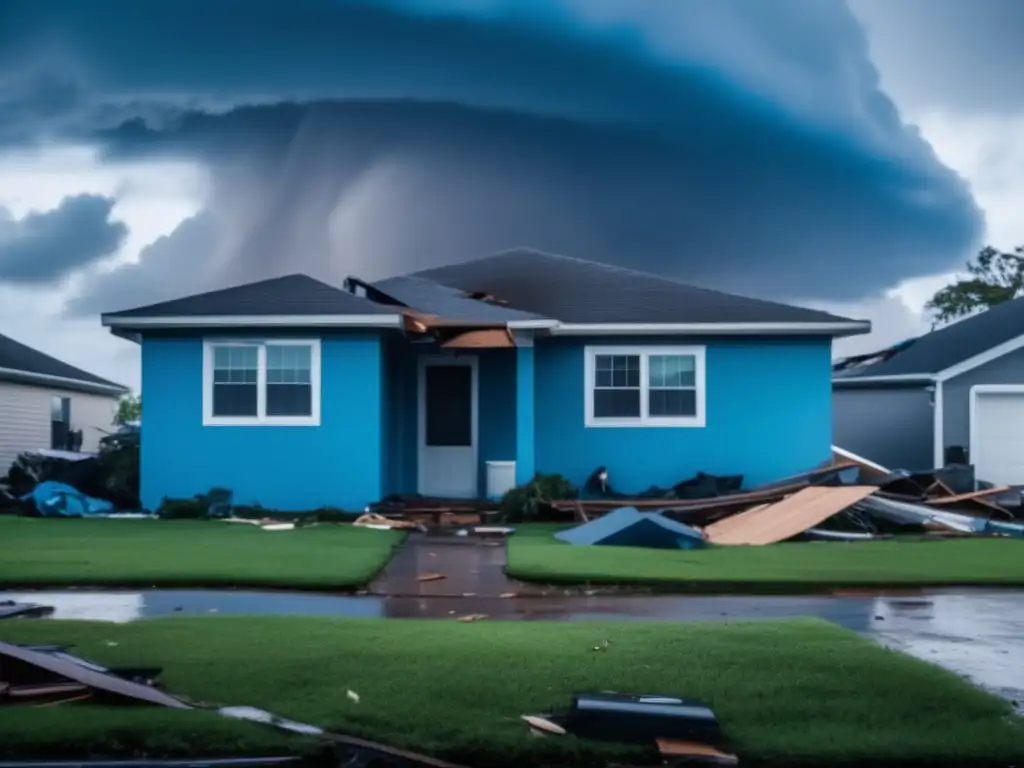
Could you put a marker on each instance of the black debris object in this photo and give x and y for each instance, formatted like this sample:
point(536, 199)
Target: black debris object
point(641, 719)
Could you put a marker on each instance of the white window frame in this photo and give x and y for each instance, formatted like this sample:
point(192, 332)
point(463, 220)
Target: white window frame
point(261, 419)
point(645, 353)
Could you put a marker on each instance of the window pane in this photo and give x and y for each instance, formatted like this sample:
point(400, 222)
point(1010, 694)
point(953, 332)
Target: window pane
point(623, 403)
point(289, 400)
point(672, 370)
point(57, 408)
point(672, 402)
point(234, 399)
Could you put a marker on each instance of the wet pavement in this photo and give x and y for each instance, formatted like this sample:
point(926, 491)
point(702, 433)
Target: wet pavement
point(976, 633)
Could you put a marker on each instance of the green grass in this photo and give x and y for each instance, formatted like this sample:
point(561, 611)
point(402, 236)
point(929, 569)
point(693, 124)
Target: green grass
point(534, 554)
point(785, 692)
point(37, 552)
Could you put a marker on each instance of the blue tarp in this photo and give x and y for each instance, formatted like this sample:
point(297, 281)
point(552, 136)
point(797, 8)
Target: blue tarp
point(629, 527)
point(54, 499)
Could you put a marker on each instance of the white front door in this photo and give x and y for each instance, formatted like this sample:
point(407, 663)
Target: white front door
point(448, 426)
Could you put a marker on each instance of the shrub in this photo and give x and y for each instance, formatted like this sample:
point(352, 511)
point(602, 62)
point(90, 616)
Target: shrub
point(532, 501)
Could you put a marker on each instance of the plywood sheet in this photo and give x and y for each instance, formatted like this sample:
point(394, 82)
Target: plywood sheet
point(483, 338)
point(787, 518)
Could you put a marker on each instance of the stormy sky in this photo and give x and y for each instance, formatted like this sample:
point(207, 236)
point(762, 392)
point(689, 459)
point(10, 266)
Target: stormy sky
point(846, 155)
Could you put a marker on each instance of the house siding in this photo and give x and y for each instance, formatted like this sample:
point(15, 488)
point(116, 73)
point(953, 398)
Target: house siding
point(339, 463)
point(25, 418)
point(956, 394)
point(892, 426)
point(768, 415)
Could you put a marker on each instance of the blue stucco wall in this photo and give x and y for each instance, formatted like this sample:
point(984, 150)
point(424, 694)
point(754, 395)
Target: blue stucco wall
point(768, 415)
point(336, 464)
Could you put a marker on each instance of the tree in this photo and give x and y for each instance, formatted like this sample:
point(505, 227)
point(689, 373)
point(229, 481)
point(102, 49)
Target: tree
point(992, 278)
point(129, 408)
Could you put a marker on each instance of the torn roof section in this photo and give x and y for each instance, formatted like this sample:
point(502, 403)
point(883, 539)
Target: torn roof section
point(939, 351)
point(515, 290)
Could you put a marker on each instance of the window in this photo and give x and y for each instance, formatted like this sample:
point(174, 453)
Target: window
point(273, 383)
point(60, 423)
point(644, 386)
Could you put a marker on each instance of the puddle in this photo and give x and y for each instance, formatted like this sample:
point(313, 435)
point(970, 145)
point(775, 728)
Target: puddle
point(978, 634)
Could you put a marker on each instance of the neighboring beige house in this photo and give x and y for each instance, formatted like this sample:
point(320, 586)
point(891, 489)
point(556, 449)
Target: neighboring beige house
point(44, 403)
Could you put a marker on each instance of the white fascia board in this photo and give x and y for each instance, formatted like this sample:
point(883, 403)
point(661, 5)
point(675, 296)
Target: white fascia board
point(48, 380)
point(713, 329)
point(980, 359)
point(901, 378)
point(255, 321)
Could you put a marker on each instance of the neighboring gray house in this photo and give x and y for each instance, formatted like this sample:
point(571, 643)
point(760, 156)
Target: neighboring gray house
point(45, 402)
point(953, 394)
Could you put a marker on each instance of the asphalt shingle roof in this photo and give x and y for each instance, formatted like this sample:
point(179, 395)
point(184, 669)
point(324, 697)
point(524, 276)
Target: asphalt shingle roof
point(446, 302)
point(16, 356)
point(950, 345)
point(288, 295)
point(576, 291)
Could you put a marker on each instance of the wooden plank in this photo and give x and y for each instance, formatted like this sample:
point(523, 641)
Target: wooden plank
point(981, 496)
point(695, 751)
point(787, 518)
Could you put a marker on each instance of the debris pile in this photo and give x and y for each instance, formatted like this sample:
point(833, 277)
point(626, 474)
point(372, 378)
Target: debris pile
point(846, 499)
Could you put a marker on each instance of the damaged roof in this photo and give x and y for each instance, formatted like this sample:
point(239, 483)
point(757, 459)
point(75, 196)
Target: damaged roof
point(19, 362)
point(941, 349)
point(447, 302)
point(289, 295)
point(575, 291)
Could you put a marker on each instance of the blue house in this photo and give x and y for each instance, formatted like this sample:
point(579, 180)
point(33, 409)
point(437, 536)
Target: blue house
point(463, 380)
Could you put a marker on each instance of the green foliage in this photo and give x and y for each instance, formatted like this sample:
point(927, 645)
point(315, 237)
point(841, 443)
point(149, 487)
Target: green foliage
point(993, 277)
point(129, 408)
point(529, 502)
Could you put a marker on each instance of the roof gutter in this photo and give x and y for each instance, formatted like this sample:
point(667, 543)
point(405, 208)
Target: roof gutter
point(837, 328)
point(902, 378)
point(61, 382)
point(254, 321)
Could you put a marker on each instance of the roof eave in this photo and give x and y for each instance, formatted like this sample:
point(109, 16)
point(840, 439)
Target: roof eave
point(135, 323)
point(61, 382)
point(825, 328)
point(901, 378)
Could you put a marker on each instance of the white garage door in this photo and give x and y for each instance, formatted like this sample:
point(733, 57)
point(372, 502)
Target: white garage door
point(997, 437)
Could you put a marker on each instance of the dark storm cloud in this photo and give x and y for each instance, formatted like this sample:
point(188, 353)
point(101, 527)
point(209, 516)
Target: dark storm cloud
point(735, 143)
point(44, 247)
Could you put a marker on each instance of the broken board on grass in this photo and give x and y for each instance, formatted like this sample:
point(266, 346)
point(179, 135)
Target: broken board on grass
point(629, 527)
point(771, 523)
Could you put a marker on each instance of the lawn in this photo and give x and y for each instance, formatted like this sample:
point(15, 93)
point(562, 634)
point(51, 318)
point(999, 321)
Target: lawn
point(534, 554)
point(39, 552)
point(785, 692)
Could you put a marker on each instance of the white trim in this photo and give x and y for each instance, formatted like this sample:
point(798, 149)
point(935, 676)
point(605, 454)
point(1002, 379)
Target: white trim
point(522, 338)
point(532, 325)
point(904, 378)
point(980, 359)
point(972, 408)
point(473, 362)
point(713, 329)
point(644, 352)
point(851, 456)
point(938, 426)
point(257, 321)
point(261, 419)
point(47, 379)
